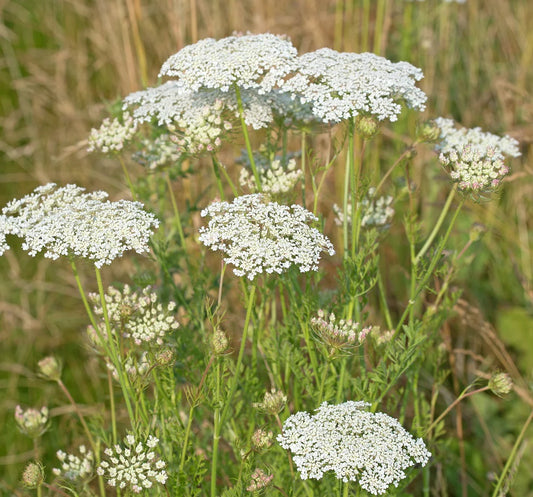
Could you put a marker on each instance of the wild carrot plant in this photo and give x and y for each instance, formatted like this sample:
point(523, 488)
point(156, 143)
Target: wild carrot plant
point(264, 351)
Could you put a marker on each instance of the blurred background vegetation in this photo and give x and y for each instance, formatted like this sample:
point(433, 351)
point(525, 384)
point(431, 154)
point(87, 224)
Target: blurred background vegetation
point(63, 62)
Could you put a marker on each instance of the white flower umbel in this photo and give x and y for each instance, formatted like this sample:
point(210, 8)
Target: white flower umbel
point(454, 138)
point(112, 135)
point(134, 465)
point(341, 86)
point(474, 158)
point(136, 314)
point(248, 61)
point(372, 449)
point(66, 221)
point(76, 469)
point(258, 236)
point(275, 179)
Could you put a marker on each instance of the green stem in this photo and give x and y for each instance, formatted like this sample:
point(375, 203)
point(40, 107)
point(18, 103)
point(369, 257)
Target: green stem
point(303, 164)
point(113, 353)
point(437, 226)
point(112, 406)
point(383, 300)
point(247, 139)
point(512, 456)
point(127, 176)
point(464, 394)
point(219, 421)
point(186, 439)
point(216, 169)
point(177, 216)
point(429, 272)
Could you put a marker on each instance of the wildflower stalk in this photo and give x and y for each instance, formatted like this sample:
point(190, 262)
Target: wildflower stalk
point(437, 225)
point(219, 421)
point(464, 394)
point(219, 167)
point(405, 153)
point(177, 216)
point(416, 289)
point(127, 176)
point(216, 170)
point(112, 407)
point(247, 138)
point(512, 456)
point(113, 353)
point(303, 166)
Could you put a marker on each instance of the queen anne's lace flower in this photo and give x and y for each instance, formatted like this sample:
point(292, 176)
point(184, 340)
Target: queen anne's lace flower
point(133, 465)
point(275, 179)
point(32, 422)
point(112, 135)
point(259, 480)
point(370, 448)
point(74, 468)
point(341, 86)
point(66, 221)
point(475, 158)
point(452, 138)
point(248, 61)
point(136, 314)
point(258, 236)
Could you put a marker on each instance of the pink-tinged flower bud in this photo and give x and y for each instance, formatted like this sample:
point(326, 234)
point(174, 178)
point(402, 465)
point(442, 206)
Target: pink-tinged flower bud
point(33, 475)
point(32, 422)
point(50, 368)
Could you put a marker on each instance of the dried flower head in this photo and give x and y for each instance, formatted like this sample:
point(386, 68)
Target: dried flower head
point(137, 315)
point(337, 335)
point(276, 179)
point(134, 465)
point(50, 368)
point(76, 469)
point(66, 221)
point(259, 480)
point(258, 236)
point(32, 422)
point(376, 212)
point(113, 135)
point(33, 475)
point(341, 86)
point(248, 61)
point(370, 448)
point(273, 402)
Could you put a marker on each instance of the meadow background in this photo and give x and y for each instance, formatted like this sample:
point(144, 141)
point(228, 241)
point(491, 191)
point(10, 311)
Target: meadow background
point(63, 62)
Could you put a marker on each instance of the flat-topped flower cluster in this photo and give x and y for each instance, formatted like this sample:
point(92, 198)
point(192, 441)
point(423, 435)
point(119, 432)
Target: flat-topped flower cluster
point(68, 222)
point(258, 236)
point(370, 448)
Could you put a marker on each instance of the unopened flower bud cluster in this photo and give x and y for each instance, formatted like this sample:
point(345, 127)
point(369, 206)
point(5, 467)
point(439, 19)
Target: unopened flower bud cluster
point(133, 466)
point(338, 334)
point(262, 439)
point(372, 449)
point(341, 86)
point(272, 403)
point(75, 468)
point(32, 422)
point(275, 180)
point(475, 170)
point(158, 153)
point(137, 314)
point(33, 475)
point(112, 135)
point(258, 236)
point(375, 211)
point(259, 480)
point(66, 221)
